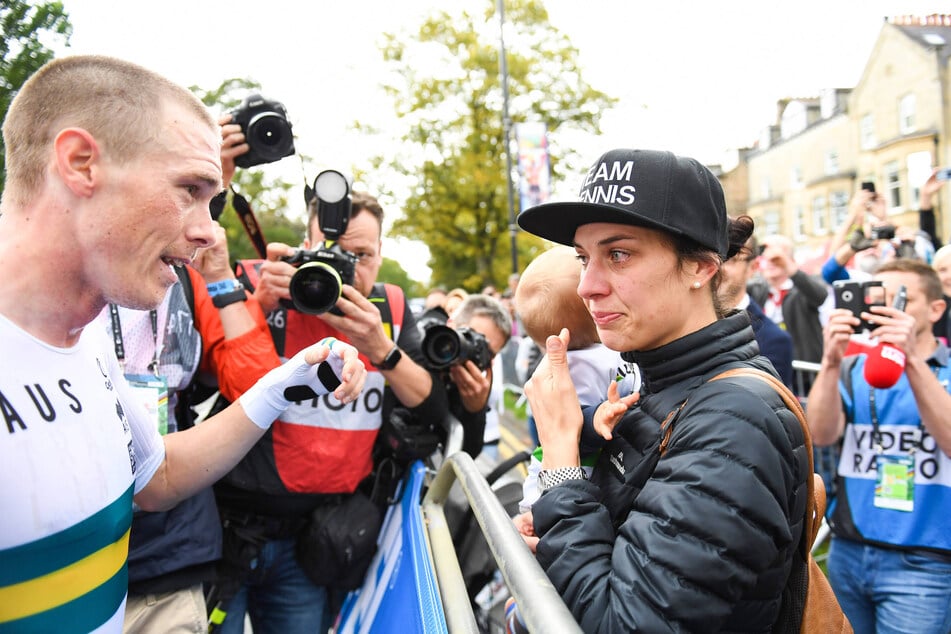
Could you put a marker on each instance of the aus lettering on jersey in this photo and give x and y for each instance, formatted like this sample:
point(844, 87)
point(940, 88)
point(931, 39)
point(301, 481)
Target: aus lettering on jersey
point(609, 183)
point(44, 401)
point(859, 453)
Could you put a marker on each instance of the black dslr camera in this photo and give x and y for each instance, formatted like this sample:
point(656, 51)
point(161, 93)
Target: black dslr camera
point(321, 274)
point(444, 346)
point(266, 129)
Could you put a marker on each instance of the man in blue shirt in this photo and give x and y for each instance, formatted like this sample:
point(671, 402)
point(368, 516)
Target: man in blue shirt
point(890, 559)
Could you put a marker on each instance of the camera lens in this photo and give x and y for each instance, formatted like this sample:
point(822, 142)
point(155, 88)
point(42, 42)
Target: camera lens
point(315, 288)
point(270, 136)
point(441, 346)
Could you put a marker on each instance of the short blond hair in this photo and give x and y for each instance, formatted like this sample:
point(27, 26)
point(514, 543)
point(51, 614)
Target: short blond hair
point(117, 102)
point(547, 299)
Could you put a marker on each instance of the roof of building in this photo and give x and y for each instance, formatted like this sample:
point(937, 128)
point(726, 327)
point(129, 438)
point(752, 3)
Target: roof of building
point(932, 31)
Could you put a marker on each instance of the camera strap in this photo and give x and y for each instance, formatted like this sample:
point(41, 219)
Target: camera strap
point(242, 207)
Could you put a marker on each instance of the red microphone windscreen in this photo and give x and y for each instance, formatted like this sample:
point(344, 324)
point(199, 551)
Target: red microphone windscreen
point(883, 366)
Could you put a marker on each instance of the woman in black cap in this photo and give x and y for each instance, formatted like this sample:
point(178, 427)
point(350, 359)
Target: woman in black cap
point(692, 516)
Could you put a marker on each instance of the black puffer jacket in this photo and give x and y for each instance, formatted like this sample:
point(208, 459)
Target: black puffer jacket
point(708, 543)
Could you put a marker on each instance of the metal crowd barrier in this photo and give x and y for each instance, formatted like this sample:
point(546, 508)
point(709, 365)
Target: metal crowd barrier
point(540, 605)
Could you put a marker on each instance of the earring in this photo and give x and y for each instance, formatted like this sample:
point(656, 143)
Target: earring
point(696, 284)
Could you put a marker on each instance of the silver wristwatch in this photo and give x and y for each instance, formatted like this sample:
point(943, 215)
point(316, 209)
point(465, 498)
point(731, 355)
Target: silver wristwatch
point(548, 478)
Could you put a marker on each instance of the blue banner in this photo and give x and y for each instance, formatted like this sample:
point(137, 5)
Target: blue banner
point(400, 590)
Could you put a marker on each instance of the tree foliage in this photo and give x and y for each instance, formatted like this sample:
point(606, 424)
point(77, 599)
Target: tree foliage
point(27, 31)
point(446, 88)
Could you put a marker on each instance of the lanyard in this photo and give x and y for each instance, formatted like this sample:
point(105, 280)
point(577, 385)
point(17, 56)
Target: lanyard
point(117, 338)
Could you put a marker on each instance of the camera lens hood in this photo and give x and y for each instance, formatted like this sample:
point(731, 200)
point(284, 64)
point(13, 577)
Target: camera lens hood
point(315, 288)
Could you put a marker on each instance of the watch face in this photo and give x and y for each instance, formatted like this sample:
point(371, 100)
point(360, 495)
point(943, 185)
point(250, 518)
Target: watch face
point(391, 359)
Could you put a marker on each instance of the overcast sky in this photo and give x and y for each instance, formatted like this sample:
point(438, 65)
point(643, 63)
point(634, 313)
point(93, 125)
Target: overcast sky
point(698, 78)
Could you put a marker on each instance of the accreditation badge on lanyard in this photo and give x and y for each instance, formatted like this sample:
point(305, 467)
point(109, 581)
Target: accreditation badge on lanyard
point(895, 482)
point(895, 477)
point(153, 392)
point(151, 389)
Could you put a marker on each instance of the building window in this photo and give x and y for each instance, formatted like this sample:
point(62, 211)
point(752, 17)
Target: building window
point(839, 208)
point(795, 178)
point(820, 219)
point(893, 186)
point(799, 230)
point(832, 162)
point(867, 131)
point(764, 189)
point(906, 114)
point(919, 170)
point(771, 223)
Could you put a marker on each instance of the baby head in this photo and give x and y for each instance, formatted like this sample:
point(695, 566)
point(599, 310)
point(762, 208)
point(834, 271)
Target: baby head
point(547, 299)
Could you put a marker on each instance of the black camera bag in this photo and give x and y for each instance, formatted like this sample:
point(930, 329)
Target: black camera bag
point(338, 541)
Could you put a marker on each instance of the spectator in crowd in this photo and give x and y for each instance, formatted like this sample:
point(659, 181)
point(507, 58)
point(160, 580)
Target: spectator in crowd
point(318, 452)
point(548, 295)
point(490, 290)
point(472, 390)
point(436, 297)
point(120, 164)
point(720, 512)
point(790, 297)
point(926, 215)
point(774, 342)
point(453, 298)
point(942, 266)
point(853, 239)
point(890, 558)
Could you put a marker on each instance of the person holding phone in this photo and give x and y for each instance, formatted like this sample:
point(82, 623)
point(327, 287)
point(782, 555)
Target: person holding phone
point(890, 558)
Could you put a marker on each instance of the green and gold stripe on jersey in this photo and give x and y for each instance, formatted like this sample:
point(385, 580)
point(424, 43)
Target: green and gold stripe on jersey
point(72, 580)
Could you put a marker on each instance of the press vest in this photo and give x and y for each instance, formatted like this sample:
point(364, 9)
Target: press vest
point(853, 514)
point(321, 445)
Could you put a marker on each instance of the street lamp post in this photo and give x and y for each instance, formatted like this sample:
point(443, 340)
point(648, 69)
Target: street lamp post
point(506, 133)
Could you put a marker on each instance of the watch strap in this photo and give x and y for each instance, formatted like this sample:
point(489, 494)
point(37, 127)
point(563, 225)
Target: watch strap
point(226, 299)
point(390, 360)
point(548, 478)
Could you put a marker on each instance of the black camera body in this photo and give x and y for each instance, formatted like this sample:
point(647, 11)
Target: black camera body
point(318, 282)
point(266, 130)
point(444, 347)
point(858, 297)
point(882, 232)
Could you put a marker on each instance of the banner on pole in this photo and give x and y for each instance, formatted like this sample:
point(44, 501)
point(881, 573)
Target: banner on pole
point(534, 169)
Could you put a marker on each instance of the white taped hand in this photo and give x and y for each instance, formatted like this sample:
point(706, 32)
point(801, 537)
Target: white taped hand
point(295, 380)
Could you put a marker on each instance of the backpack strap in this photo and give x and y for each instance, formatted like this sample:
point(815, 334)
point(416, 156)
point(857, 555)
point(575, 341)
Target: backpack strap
point(816, 491)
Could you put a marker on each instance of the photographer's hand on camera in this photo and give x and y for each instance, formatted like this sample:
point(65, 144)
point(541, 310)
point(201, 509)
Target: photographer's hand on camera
point(233, 145)
point(474, 386)
point(363, 326)
point(275, 277)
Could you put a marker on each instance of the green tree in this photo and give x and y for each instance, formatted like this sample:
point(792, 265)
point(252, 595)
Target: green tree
point(392, 272)
point(454, 159)
point(268, 197)
point(27, 29)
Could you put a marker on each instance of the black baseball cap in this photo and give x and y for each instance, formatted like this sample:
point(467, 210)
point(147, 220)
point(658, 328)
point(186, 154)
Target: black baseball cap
point(649, 188)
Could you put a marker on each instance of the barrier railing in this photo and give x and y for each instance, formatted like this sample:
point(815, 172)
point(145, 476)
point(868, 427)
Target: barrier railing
point(539, 603)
